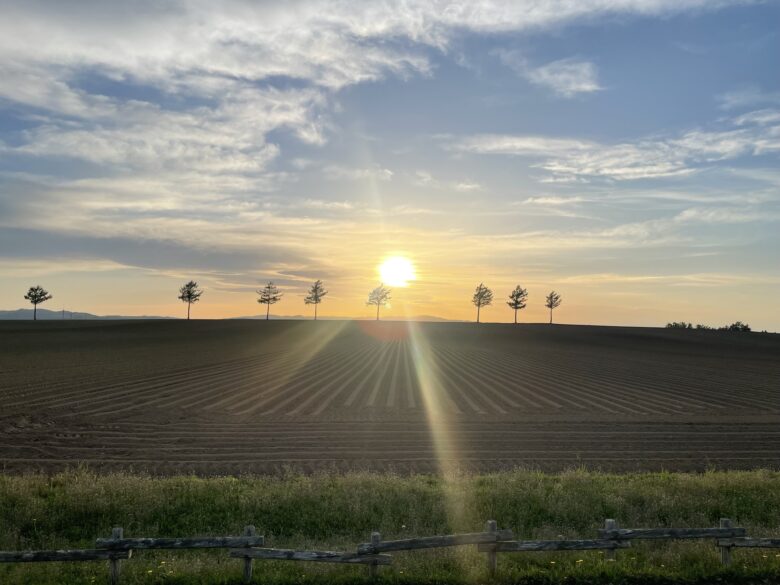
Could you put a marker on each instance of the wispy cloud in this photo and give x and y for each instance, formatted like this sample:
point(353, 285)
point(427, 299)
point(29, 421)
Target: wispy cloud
point(374, 173)
point(426, 179)
point(565, 77)
point(553, 200)
point(690, 279)
point(568, 158)
point(748, 97)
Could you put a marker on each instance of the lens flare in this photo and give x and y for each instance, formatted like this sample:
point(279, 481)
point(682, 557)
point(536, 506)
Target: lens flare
point(441, 414)
point(397, 271)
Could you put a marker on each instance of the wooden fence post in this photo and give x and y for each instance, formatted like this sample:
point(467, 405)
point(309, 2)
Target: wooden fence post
point(248, 531)
point(113, 564)
point(725, 551)
point(610, 524)
point(373, 568)
point(492, 557)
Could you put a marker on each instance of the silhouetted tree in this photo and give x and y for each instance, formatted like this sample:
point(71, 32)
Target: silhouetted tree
point(315, 296)
point(379, 297)
point(483, 297)
point(269, 295)
point(37, 295)
point(190, 293)
point(738, 326)
point(681, 325)
point(553, 301)
point(517, 299)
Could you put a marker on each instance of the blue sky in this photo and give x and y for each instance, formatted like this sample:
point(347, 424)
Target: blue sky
point(623, 152)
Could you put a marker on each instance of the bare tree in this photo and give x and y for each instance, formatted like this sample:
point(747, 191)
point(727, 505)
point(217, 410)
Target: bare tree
point(379, 297)
point(37, 295)
point(315, 296)
point(269, 295)
point(517, 299)
point(483, 297)
point(553, 301)
point(190, 293)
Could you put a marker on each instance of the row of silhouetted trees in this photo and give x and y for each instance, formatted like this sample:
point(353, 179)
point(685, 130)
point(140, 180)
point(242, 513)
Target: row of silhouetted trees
point(378, 297)
point(270, 294)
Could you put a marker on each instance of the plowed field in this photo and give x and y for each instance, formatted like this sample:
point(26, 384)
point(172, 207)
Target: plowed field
point(216, 397)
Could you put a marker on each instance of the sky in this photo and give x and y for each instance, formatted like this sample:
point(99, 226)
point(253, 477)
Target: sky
point(621, 152)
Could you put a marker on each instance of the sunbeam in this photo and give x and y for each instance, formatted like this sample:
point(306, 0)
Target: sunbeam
point(439, 410)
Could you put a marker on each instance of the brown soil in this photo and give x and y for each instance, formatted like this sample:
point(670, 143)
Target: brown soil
point(229, 397)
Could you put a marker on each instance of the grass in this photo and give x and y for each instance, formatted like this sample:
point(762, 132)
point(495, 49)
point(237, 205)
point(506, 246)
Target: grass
point(334, 512)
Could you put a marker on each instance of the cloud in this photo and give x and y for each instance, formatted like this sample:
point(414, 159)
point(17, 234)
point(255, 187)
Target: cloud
point(747, 98)
point(569, 159)
point(691, 279)
point(426, 179)
point(330, 205)
point(553, 200)
point(374, 173)
point(565, 77)
point(727, 215)
point(466, 186)
point(760, 117)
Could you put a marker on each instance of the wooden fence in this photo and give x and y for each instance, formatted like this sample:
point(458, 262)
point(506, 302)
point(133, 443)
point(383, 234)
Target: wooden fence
point(492, 541)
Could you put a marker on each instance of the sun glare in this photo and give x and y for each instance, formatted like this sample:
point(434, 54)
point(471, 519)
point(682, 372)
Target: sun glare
point(396, 271)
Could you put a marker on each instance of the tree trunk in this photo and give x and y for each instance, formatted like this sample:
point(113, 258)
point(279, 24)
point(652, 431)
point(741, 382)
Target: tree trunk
point(377, 311)
point(550, 315)
point(267, 311)
point(35, 312)
point(315, 311)
point(478, 308)
point(188, 310)
point(515, 316)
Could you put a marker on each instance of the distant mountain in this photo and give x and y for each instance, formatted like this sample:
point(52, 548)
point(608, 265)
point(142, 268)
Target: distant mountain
point(428, 318)
point(47, 315)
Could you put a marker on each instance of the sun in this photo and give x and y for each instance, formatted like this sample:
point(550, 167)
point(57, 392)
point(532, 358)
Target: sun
point(397, 271)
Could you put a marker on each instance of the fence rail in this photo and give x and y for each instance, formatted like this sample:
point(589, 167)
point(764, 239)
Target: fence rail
point(181, 543)
point(435, 541)
point(492, 541)
point(542, 545)
point(41, 556)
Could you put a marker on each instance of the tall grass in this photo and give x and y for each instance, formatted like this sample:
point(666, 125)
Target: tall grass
point(332, 511)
